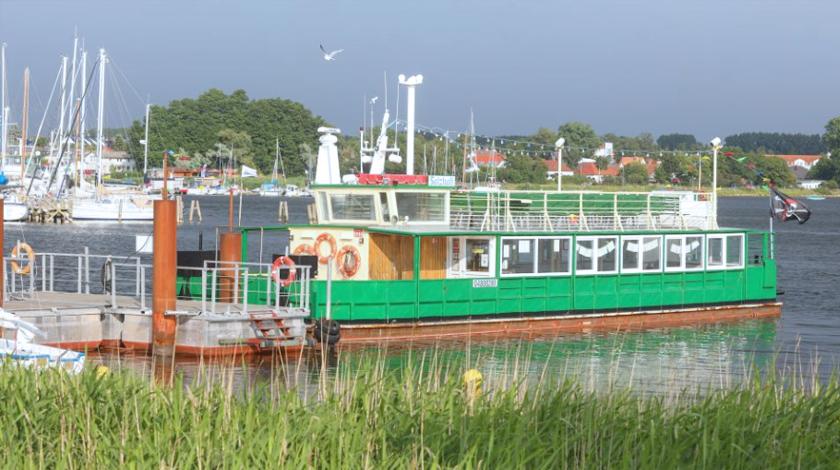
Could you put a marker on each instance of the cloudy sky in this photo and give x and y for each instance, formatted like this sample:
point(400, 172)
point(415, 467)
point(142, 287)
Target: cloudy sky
point(706, 67)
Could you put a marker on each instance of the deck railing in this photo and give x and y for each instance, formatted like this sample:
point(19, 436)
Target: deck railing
point(519, 211)
point(226, 288)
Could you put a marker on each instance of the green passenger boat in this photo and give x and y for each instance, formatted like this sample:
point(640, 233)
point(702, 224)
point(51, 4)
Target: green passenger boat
point(419, 260)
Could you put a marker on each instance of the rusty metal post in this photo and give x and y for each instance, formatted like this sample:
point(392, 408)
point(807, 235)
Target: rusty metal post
point(164, 272)
point(230, 254)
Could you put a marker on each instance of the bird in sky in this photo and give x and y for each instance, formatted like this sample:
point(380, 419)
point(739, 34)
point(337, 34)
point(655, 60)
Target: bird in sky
point(328, 56)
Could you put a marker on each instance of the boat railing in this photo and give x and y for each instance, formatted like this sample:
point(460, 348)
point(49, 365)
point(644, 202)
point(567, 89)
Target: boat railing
point(520, 211)
point(247, 287)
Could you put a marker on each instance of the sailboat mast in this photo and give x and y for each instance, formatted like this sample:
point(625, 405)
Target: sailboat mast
point(3, 101)
point(73, 80)
point(146, 141)
point(82, 114)
point(24, 125)
point(63, 103)
point(100, 116)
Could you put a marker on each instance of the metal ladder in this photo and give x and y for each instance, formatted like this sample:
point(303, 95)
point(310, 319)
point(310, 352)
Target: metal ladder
point(271, 330)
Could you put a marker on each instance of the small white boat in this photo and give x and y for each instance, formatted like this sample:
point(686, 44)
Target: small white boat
point(23, 352)
point(13, 210)
point(114, 209)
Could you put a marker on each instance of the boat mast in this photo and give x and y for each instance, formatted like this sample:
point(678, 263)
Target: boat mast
point(274, 179)
point(3, 112)
point(63, 104)
point(73, 80)
point(146, 141)
point(83, 115)
point(24, 125)
point(100, 116)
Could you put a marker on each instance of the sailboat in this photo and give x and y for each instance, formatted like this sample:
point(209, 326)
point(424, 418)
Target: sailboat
point(14, 208)
point(99, 205)
point(273, 189)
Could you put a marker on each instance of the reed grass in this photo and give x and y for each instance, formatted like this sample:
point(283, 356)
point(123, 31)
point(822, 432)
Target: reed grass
point(365, 414)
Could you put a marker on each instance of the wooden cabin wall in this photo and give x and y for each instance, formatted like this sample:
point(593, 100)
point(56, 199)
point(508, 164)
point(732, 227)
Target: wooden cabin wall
point(391, 257)
point(433, 258)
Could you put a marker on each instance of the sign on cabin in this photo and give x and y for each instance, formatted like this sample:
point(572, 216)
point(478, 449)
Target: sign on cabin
point(441, 180)
point(481, 283)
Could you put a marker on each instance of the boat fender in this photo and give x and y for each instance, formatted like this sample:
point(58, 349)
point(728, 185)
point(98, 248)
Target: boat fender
point(304, 249)
point(348, 261)
point(327, 331)
point(26, 269)
point(325, 238)
point(275, 271)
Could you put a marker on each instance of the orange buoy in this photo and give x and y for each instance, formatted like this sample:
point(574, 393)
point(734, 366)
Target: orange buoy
point(275, 271)
point(348, 252)
point(324, 238)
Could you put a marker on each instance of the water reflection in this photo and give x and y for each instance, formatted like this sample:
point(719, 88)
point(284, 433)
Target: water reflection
point(656, 361)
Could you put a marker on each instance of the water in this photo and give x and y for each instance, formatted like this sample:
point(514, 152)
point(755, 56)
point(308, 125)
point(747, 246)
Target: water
point(663, 359)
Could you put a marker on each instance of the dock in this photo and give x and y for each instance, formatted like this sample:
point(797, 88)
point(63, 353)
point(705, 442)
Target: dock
point(91, 302)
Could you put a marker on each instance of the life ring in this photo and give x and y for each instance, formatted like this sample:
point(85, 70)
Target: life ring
point(30, 255)
point(304, 249)
point(275, 271)
point(322, 238)
point(341, 261)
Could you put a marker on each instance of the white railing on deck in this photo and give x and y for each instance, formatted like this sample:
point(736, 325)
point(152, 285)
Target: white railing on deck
point(522, 211)
point(122, 282)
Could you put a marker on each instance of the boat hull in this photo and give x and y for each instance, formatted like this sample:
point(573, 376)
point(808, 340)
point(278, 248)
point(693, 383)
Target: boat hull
point(535, 326)
point(14, 211)
point(113, 211)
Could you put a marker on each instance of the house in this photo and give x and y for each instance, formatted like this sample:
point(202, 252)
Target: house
point(650, 164)
point(802, 161)
point(489, 158)
point(551, 169)
point(589, 168)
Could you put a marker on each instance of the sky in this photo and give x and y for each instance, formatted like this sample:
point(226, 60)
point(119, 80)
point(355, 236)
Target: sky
point(706, 67)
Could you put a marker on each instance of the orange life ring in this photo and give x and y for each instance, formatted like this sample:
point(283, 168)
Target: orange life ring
point(341, 261)
point(324, 237)
point(30, 255)
point(304, 249)
point(275, 271)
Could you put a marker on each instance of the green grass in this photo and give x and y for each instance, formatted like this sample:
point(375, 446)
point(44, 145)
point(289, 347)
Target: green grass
point(369, 415)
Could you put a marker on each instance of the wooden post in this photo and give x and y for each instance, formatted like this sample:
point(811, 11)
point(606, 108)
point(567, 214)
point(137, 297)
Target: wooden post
point(164, 272)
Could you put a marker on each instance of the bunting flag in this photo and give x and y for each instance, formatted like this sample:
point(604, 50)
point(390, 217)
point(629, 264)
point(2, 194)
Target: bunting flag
point(784, 207)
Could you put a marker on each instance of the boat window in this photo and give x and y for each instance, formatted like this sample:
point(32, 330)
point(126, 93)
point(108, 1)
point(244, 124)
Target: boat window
point(607, 254)
point(386, 209)
point(630, 254)
point(652, 257)
point(518, 256)
point(693, 249)
point(553, 255)
point(352, 207)
point(584, 256)
point(471, 256)
point(421, 207)
point(673, 253)
point(715, 251)
point(734, 251)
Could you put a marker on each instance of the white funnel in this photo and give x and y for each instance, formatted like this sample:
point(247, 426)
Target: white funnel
point(327, 170)
point(410, 83)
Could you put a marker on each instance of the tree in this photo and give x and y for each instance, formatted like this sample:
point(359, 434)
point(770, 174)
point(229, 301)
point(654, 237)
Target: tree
point(522, 169)
point(581, 140)
point(634, 173)
point(194, 125)
point(545, 136)
point(777, 143)
point(677, 141)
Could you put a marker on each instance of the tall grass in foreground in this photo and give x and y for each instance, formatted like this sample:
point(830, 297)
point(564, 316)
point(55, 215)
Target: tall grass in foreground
point(418, 415)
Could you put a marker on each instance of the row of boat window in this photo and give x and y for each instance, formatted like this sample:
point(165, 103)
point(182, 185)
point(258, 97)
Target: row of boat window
point(524, 256)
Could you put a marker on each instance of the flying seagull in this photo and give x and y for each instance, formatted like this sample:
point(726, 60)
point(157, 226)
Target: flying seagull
point(328, 56)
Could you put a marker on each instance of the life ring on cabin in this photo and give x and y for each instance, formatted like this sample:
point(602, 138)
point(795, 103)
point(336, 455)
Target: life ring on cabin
point(324, 238)
point(26, 269)
point(275, 271)
point(346, 253)
point(304, 249)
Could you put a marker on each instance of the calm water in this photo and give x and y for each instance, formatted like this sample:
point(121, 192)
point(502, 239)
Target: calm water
point(809, 274)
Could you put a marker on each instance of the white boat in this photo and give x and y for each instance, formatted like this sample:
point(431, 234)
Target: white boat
point(17, 347)
point(14, 211)
point(113, 209)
